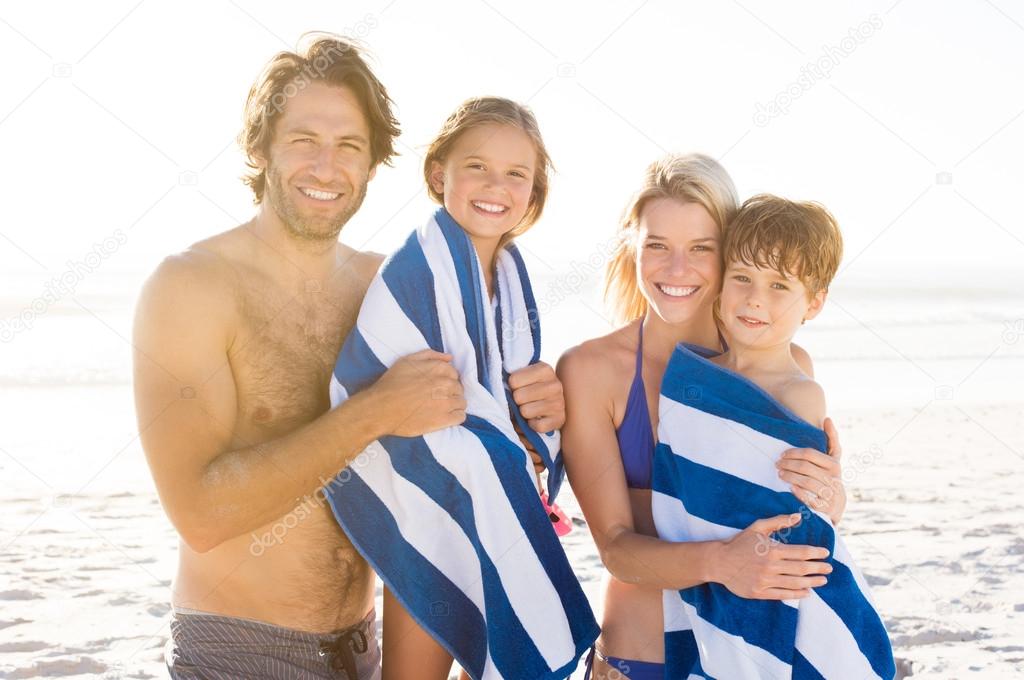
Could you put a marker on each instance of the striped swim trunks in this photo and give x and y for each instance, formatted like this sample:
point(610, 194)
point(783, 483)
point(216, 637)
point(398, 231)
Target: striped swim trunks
point(205, 645)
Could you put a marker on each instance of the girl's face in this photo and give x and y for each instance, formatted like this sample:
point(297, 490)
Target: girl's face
point(678, 266)
point(761, 308)
point(487, 181)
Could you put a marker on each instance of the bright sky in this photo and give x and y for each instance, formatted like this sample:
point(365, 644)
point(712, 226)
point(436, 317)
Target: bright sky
point(122, 115)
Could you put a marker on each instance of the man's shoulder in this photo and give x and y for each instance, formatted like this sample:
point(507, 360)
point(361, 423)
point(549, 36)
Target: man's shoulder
point(198, 276)
point(196, 265)
point(361, 265)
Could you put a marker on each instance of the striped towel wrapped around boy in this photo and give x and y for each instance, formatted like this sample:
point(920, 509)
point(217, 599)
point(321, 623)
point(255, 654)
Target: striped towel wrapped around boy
point(719, 436)
point(452, 521)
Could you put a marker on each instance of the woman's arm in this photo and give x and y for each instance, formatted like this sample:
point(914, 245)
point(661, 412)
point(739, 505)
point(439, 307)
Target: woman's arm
point(749, 564)
point(815, 478)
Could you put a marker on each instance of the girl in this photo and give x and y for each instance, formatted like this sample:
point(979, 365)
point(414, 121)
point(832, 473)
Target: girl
point(663, 280)
point(488, 167)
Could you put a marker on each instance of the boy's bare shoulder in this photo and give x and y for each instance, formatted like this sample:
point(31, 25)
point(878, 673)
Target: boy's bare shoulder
point(806, 398)
point(802, 359)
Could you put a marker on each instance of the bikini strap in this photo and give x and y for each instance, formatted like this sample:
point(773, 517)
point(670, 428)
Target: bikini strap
point(640, 351)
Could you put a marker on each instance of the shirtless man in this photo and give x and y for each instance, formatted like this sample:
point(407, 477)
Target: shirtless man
point(235, 341)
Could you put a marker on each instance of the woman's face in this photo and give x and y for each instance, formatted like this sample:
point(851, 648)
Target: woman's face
point(678, 265)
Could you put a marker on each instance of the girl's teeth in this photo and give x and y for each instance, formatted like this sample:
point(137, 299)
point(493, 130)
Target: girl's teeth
point(320, 195)
point(677, 291)
point(490, 207)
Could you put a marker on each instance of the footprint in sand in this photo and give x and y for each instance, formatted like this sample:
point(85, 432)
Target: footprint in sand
point(877, 580)
point(14, 622)
point(19, 594)
point(159, 610)
point(122, 600)
point(82, 665)
point(90, 593)
point(931, 637)
point(23, 646)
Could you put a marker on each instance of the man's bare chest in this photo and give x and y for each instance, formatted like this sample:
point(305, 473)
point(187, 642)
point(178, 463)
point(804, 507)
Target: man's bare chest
point(283, 355)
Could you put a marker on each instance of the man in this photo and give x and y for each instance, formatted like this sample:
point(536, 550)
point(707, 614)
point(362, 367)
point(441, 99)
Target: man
point(235, 340)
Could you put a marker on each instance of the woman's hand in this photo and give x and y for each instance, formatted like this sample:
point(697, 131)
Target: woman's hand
point(815, 477)
point(753, 565)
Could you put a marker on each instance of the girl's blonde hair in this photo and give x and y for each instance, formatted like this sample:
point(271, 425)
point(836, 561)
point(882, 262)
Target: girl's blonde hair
point(687, 178)
point(481, 111)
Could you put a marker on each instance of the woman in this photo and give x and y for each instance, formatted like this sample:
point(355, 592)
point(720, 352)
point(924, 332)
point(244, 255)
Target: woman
point(662, 280)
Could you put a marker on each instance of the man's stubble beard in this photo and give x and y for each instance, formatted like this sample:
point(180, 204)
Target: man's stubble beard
point(302, 227)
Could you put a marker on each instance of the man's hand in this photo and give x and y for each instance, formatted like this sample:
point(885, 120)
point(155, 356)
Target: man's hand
point(538, 393)
point(420, 393)
point(816, 478)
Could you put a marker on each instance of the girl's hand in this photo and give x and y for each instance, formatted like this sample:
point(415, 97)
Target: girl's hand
point(816, 478)
point(538, 392)
point(538, 462)
point(753, 565)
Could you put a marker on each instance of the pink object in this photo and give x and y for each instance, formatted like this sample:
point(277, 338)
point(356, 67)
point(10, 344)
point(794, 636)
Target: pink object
point(559, 520)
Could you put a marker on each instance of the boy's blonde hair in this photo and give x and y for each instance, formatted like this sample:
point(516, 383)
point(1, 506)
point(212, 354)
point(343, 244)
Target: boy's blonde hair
point(481, 111)
point(801, 239)
point(687, 178)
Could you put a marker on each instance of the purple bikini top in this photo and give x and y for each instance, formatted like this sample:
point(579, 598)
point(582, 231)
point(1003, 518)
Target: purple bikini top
point(635, 436)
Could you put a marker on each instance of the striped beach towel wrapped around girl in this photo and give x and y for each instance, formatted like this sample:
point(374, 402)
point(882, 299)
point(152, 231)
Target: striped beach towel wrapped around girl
point(452, 520)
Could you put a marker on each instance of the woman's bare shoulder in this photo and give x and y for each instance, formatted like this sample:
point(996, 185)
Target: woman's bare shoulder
point(601, 361)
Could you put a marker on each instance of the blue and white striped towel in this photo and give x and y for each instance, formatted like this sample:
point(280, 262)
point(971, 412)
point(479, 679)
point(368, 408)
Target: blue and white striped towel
point(452, 520)
point(714, 475)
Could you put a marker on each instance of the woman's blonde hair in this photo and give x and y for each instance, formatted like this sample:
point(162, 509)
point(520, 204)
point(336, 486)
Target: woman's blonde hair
point(687, 178)
point(481, 111)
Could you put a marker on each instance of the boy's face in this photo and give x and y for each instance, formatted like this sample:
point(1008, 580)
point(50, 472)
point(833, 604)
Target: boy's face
point(761, 308)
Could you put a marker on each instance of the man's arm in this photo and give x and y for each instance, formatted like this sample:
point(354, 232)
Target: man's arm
point(214, 488)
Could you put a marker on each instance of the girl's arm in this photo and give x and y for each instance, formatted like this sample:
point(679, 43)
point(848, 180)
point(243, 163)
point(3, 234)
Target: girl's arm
point(749, 564)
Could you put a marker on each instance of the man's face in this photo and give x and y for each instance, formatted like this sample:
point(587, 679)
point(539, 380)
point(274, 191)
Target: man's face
point(319, 162)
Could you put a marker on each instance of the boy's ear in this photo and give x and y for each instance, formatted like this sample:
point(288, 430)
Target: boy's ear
point(373, 173)
point(816, 303)
point(437, 177)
